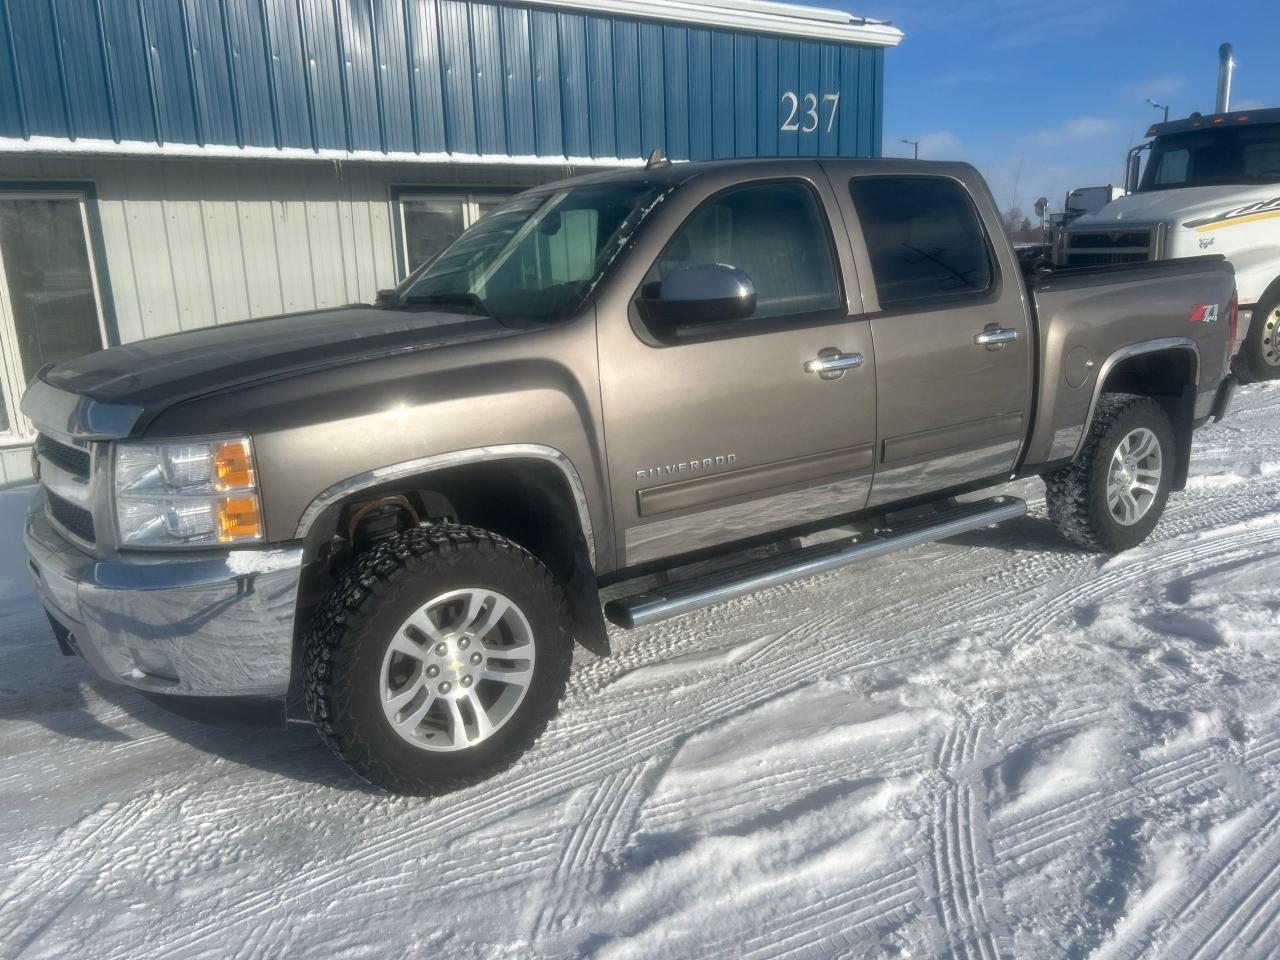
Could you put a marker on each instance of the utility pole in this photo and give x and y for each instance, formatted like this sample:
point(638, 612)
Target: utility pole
point(915, 144)
point(1160, 106)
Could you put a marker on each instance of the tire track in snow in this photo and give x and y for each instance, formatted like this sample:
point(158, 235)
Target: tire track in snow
point(1229, 916)
point(877, 898)
point(908, 614)
point(724, 802)
point(1023, 843)
point(1030, 839)
point(968, 902)
point(580, 857)
point(82, 849)
point(1258, 753)
point(1126, 573)
point(1210, 883)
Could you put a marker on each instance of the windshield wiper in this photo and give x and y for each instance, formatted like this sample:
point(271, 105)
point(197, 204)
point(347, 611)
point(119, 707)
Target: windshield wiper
point(456, 299)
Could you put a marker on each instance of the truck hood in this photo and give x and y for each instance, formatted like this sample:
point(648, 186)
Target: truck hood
point(156, 373)
point(1178, 207)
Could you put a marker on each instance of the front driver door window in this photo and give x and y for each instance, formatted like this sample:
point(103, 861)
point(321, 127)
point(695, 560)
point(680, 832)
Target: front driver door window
point(775, 233)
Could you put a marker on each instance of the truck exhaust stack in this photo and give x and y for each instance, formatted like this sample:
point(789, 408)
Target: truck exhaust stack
point(1226, 66)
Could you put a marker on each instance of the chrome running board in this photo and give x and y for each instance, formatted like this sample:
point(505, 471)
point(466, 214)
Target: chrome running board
point(673, 599)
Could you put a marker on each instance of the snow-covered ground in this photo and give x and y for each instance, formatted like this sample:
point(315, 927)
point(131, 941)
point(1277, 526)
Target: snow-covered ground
point(991, 747)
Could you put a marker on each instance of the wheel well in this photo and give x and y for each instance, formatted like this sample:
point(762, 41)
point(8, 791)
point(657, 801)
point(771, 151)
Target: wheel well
point(528, 501)
point(1168, 377)
point(1269, 295)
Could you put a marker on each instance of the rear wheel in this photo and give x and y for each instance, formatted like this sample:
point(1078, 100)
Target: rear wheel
point(437, 659)
point(1111, 497)
point(1259, 357)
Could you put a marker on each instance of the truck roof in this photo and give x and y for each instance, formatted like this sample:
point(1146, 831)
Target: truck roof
point(1202, 121)
point(674, 174)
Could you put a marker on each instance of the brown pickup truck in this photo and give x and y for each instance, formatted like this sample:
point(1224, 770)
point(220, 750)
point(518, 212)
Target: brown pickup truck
point(406, 511)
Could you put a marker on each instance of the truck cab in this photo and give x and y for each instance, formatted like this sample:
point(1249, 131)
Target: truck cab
point(1203, 185)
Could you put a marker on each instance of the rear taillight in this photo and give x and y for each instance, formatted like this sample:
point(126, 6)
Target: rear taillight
point(1233, 323)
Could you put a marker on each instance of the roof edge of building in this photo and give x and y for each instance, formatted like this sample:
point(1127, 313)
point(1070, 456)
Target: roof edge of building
point(10, 146)
point(751, 16)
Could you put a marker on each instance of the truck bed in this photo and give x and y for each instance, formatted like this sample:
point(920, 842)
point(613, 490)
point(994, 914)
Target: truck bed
point(1086, 316)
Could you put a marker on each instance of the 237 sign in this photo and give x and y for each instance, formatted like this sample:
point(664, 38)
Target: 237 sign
point(803, 111)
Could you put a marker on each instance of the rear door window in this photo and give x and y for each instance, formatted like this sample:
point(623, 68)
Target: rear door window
point(923, 237)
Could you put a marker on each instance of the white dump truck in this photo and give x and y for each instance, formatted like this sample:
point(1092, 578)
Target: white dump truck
point(1210, 184)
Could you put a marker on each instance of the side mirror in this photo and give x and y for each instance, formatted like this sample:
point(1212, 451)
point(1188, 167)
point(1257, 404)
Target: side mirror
point(385, 298)
point(703, 293)
point(1133, 170)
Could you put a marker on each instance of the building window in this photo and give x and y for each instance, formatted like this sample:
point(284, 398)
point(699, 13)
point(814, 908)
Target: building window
point(430, 221)
point(50, 305)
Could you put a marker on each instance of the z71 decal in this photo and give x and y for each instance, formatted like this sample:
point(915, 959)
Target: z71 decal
point(1204, 313)
point(1262, 210)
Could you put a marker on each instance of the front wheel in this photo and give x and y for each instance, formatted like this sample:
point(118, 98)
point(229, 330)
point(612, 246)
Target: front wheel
point(437, 659)
point(1259, 357)
point(1111, 497)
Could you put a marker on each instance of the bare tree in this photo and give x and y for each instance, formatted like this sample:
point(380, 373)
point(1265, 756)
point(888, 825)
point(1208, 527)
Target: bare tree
point(1012, 218)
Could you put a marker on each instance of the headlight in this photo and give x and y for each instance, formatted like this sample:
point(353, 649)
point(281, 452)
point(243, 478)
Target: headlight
point(187, 493)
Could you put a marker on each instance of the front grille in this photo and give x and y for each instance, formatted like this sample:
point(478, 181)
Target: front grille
point(1103, 259)
point(1103, 248)
point(72, 459)
point(75, 520)
point(1109, 241)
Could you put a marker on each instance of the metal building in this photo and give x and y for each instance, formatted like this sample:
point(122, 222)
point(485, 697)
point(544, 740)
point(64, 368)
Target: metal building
point(167, 164)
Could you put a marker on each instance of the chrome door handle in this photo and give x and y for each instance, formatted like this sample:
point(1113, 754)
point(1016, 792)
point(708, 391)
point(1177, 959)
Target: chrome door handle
point(833, 363)
point(995, 336)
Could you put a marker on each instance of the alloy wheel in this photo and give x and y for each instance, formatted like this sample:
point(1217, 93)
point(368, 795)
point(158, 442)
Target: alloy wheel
point(1133, 476)
point(457, 669)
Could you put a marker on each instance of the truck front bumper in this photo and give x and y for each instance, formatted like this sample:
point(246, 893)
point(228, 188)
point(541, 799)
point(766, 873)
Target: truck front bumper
point(213, 625)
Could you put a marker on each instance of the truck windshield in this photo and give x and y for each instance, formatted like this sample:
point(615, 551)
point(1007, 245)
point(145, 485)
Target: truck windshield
point(1205, 158)
point(537, 257)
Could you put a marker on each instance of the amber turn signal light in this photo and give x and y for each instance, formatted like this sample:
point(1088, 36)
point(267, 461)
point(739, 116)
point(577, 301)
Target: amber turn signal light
point(239, 519)
point(233, 465)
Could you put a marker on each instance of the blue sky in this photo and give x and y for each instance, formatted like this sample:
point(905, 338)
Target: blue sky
point(1045, 95)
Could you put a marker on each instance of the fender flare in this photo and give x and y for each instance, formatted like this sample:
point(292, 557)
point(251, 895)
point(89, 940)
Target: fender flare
point(343, 489)
point(1117, 357)
point(1181, 413)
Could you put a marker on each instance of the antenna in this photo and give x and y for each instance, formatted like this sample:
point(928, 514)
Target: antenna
point(656, 159)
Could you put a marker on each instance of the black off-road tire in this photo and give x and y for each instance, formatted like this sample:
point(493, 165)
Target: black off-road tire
point(1251, 365)
point(1076, 494)
point(356, 621)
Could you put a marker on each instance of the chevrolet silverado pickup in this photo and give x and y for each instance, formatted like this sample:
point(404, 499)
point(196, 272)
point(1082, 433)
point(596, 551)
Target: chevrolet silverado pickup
point(681, 383)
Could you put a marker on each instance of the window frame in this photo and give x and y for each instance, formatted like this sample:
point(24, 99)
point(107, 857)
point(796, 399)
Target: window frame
point(21, 431)
point(752, 326)
point(990, 294)
point(468, 197)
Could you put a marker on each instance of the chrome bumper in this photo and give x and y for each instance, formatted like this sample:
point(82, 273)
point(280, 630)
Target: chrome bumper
point(214, 625)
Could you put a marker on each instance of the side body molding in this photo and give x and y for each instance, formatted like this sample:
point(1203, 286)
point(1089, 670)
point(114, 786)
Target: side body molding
point(410, 468)
point(1126, 353)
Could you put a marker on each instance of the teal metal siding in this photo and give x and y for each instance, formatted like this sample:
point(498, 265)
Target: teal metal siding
point(405, 77)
